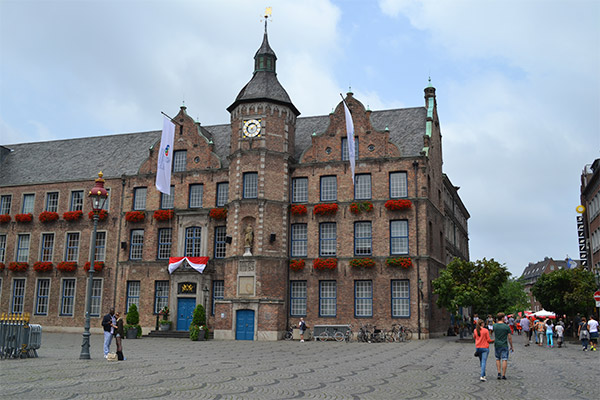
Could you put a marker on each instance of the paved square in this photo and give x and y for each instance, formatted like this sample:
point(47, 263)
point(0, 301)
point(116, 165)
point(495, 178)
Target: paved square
point(181, 369)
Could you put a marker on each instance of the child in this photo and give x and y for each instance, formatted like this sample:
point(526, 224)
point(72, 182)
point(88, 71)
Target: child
point(560, 330)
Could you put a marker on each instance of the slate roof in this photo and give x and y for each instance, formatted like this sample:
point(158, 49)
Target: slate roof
point(264, 86)
point(534, 270)
point(117, 155)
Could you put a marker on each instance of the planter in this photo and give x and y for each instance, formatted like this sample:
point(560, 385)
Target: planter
point(325, 209)
point(131, 333)
point(102, 215)
point(299, 209)
point(398, 205)
point(325, 263)
point(73, 215)
point(163, 215)
point(164, 327)
point(218, 213)
point(24, 217)
point(135, 216)
point(4, 218)
point(357, 207)
point(48, 216)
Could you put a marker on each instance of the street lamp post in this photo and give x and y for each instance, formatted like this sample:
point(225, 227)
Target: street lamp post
point(98, 196)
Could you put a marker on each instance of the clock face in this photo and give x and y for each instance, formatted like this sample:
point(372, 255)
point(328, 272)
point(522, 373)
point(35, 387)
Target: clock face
point(252, 128)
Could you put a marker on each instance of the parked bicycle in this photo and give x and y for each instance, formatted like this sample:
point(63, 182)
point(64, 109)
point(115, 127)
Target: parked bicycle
point(289, 334)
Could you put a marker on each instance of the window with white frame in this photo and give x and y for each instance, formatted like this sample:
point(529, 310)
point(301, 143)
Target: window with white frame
point(297, 298)
point(165, 240)
point(327, 298)
point(2, 248)
point(136, 247)
point(18, 296)
point(28, 203)
point(5, 202)
point(220, 244)
point(363, 298)
point(222, 193)
point(167, 200)
point(100, 254)
point(345, 155)
point(52, 201)
point(327, 239)
point(196, 193)
point(362, 187)
point(398, 237)
point(161, 295)
point(328, 188)
point(193, 241)
point(42, 295)
point(250, 185)
point(179, 160)
point(299, 190)
point(139, 198)
point(96, 304)
point(106, 205)
point(398, 185)
point(133, 295)
point(47, 248)
point(363, 238)
point(67, 300)
point(72, 247)
point(218, 293)
point(23, 247)
point(76, 203)
point(299, 239)
point(400, 298)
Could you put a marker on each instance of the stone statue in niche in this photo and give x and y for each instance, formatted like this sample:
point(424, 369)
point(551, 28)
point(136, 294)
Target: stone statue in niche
point(248, 240)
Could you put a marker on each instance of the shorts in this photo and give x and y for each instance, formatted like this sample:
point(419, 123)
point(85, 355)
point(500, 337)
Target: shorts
point(502, 353)
point(593, 335)
point(302, 331)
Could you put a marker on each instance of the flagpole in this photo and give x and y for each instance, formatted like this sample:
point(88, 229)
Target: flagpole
point(172, 120)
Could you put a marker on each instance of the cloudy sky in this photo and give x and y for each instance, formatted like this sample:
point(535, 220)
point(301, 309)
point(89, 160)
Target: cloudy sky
point(517, 85)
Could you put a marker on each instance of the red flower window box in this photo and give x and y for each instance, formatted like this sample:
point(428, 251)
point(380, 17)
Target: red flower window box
point(98, 266)
point(1, 266)
point(399, 204)
point(67, 266)
point(72, 215)
point(48, 216)
point(18, 266)
point(24, 217)
point(299, 209)
point(218, 213)
point(297, 265)
point(325, 209)
point(102, 215)
point(163, 215)
point(42, 266)
point(135, 216)
point(361, 206)
point(399, 262)
point(325, 263)
point(362, 263)
point(4, 218)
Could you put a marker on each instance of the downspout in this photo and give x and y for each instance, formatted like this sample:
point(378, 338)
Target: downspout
point(119, 242)
point(416, 168)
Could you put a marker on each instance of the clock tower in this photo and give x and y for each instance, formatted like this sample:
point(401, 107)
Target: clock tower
point(263, 123)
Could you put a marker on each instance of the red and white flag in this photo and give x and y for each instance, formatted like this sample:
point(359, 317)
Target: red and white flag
point(198, 263)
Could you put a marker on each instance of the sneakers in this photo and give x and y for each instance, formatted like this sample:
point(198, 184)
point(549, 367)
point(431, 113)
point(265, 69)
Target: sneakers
point(499, 376)
point(503, 377)
point(106, 356)
point(482, 379)
point(302, 341)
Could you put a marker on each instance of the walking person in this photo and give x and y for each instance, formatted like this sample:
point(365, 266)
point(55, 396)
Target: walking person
point(526, 331)
point(560, 332)
point(118, 328)
point(583, 333)
point(108, 323)
point(539, 332)
point(490, 324)
point(482, 346)
point(593, 330)
point(503, 338)
point(549, 333)
point(302, 327)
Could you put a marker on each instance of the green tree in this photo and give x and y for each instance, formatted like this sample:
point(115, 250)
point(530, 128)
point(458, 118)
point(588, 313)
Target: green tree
point(566, 291)
point(511, 297)
point(467, 283)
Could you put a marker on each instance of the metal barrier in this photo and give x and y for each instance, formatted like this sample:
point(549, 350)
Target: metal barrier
point(18, 338)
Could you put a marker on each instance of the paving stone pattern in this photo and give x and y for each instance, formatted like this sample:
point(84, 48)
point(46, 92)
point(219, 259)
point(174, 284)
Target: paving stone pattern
point(181, 369)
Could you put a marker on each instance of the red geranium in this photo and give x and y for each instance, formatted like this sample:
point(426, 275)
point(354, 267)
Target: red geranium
point(24, 217)
point(325, 209)
point(362, 263)
point(297, 265)
point(4, 218)
point(299, 209)
point(358, 207)
point(163, 215)
point(48, 216)
point(1, 266)
point(135, 216)
point(399, 262)
point(18, 266)
point(98, 266)
point(72, 215)
point(67, 266)
point(42, 266)
point(102, 215)
point(218, 213)
point(325, 263)
point(398, 204)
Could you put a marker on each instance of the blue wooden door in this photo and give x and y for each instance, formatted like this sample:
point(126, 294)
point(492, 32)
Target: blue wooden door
point(185, 309)
point(244, 325)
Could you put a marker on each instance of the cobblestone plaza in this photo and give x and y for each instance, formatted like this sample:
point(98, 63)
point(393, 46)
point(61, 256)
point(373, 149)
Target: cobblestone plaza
point(181, 369)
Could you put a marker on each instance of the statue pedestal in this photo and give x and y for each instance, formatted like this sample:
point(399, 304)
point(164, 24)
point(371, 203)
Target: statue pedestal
point(247, 252)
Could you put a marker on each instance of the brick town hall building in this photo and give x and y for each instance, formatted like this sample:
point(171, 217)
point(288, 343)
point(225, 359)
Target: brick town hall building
point(269, 180)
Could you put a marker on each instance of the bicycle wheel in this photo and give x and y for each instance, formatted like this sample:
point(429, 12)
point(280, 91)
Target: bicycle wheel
point(401, 336)
point(323, 336)
point(288, 336)
point(408, 333)
point(389, 337)
point(338, 336)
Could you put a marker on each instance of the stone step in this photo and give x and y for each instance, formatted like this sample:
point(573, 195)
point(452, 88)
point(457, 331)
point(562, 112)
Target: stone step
point(170, 334)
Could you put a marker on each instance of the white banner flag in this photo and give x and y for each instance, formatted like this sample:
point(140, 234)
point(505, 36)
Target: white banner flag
point(165, 157)
point(350, 136)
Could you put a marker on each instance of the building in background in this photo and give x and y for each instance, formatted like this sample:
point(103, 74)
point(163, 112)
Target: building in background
point(269, 197)
point(588, 222)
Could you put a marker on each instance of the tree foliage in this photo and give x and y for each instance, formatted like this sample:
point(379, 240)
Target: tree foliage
point(566, 291)
point(511, 298)
point(467, 283)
